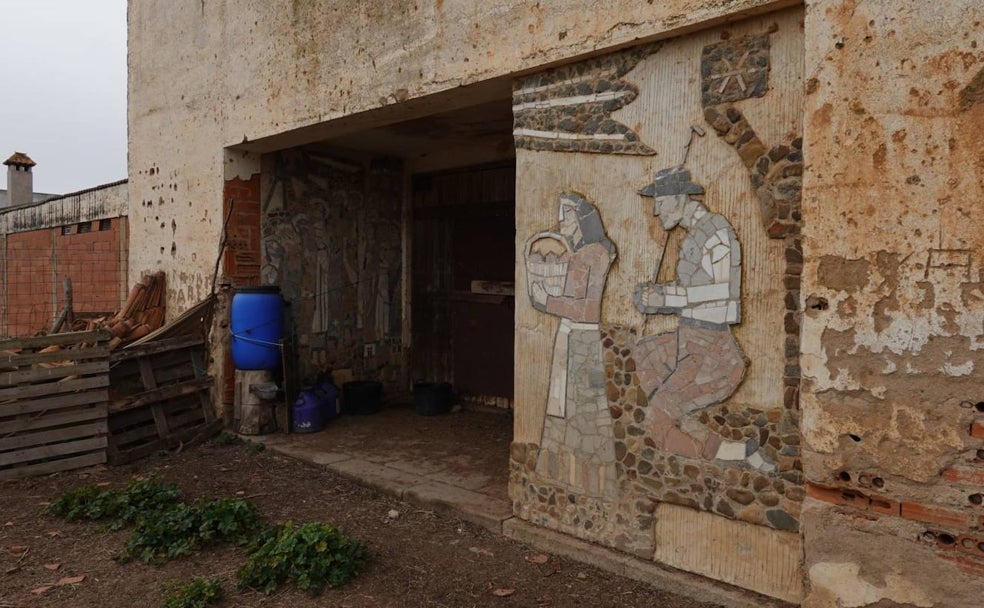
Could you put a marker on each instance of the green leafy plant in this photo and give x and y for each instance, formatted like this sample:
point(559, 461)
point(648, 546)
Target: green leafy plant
point(199, 593)
point(312, 555)
point(121, 507)
point(184, 529)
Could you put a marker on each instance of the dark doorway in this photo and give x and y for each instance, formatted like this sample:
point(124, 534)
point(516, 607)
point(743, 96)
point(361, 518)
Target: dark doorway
point(463, 250)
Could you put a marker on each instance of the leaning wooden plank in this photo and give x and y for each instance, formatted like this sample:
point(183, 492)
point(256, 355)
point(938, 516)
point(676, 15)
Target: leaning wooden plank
point(139, 434)
point(75, 354)
point(182, 420)
point(53, 373)
point(161, 346)
point(161, 394)
point(54, 451)
point(58, 435)
point(53, 466)
point(191, 321)
point(125, 455)
point(50, 404)
point(34, 423)
point(77, 337)
point(193, 435)
point(53, 388)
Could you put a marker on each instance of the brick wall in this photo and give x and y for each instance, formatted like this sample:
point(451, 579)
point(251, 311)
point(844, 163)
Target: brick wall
point(37, 262)
point(241, 258)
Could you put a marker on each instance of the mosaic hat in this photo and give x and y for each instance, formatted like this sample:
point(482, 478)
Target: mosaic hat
point(667, 182)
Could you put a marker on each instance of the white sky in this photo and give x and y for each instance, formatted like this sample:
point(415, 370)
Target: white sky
point(63, 90)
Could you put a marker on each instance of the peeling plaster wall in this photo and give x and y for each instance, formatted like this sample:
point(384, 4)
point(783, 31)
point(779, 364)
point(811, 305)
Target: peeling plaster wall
point(206, 74)
point(894, 294)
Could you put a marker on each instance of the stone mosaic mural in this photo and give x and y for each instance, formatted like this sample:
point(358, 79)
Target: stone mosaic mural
point(733, 71)
point(669, 433)
point(567, 267)
point(568, 109)
point(331, 240)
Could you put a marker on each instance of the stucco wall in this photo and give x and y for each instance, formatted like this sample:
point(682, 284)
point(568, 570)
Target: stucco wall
point(214, 73)
point(894, 309)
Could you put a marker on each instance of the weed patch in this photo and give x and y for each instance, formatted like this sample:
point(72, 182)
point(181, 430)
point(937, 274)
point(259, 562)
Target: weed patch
point(312, 555)
point(120, 507)
point(199, 593)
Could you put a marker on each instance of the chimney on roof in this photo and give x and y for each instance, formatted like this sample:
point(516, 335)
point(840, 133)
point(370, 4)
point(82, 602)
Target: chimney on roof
point(20, 180)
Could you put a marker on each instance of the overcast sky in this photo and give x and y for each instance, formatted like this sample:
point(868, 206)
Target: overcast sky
point(63, 90)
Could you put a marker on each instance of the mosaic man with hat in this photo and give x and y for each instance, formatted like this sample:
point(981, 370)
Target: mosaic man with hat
point(700, 363)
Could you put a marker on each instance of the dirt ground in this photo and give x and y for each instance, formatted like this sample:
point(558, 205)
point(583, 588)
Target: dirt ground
point(418, 558)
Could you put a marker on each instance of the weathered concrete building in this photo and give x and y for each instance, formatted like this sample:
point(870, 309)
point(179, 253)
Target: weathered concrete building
point(744, 238)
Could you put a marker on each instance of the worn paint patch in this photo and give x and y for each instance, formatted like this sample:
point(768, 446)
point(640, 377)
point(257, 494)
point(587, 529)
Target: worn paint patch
point(844, 581)
point(973, 93)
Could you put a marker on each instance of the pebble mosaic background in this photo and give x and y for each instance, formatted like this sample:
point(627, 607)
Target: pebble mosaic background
point(568, 109)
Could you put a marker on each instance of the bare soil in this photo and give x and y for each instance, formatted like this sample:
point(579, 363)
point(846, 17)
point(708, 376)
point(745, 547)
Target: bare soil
point(418, 559)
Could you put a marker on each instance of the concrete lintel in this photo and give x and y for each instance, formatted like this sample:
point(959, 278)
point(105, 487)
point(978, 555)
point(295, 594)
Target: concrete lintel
point(673, 581)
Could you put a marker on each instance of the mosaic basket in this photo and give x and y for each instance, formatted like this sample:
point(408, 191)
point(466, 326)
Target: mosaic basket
point(549, 269)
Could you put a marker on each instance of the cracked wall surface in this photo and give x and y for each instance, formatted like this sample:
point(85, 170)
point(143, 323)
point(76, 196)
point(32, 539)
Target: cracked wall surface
point(894, 304)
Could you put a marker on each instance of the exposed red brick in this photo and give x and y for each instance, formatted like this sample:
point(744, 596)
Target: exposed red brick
point(838, 496)
point(885, 506)
point(967, 565)
point(965, 475)
point(935, 515)
point(977, 429)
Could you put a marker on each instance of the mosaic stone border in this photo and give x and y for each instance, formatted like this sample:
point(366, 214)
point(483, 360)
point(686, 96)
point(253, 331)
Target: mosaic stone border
point(568, 109)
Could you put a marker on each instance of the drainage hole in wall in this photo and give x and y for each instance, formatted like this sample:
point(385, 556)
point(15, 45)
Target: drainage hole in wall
point(976, 499)
point(844, 476)
point(980, 454)
point(946, 539)
point(854, 437)
point(878, 482)
point(928, 536)
point(817, 303)
point(864, 480)
point(980, 547)
point(968, 543)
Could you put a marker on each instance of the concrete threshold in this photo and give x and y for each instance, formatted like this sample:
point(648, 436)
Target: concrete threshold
point(495, 515)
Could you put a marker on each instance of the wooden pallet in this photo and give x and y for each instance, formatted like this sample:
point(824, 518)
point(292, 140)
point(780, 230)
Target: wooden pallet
point(159, 398)
point(53, 404)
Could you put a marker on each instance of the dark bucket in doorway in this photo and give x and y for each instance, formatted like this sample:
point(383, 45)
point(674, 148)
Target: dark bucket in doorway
point(362, 397)
point(432, 398)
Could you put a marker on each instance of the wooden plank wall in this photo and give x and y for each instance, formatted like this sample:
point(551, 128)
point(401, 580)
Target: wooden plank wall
point(53, 403)
point(159, 398)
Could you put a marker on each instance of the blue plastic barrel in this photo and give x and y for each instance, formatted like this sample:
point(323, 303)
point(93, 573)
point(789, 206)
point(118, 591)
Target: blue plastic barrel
point(308, 413)
point(257, 325)
point(326, 391)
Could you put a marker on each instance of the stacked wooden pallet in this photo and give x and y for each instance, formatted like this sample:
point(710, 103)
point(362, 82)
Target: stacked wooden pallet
point(53, 403)
point(159, 398)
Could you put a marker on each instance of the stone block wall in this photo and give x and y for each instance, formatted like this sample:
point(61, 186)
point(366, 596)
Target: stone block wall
point(332, 240)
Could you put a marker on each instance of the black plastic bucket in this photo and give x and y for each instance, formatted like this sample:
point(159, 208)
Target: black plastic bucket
point(362, 397)
point(432, 398)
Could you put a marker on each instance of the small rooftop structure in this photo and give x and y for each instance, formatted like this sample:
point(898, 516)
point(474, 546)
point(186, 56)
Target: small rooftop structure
point(20, 160)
